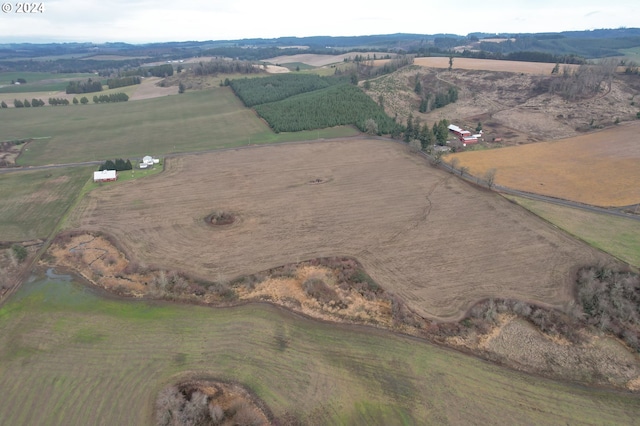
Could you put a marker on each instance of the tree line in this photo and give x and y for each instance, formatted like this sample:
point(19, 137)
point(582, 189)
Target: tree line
point(118, 165)
point(427, 136)
point(114, 83)
point(88, 86)
point(223, 66)
point(24, 104)
point(113, 97)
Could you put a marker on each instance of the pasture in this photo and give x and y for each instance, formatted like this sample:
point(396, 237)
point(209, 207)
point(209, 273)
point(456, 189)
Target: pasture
point(615, 235)
point(36, 82)
point(434, 240)
point(193, 121)
point(33, 202)
point(599, 168)
point(69, 356)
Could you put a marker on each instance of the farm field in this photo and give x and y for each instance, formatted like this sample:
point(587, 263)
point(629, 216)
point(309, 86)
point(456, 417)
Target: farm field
point(317, 60)
point(599, 168)
point(367, 199)
point(36, 82)
point(34, 201)
point(486, 65)
point(615, 235)
point(56, 88)
point(70, 356)
point(199, 120)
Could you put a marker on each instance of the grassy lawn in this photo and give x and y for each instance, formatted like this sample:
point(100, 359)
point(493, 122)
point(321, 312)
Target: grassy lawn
point(198, 120)
point(69, 356)
point(34, 201)
point(615, 235)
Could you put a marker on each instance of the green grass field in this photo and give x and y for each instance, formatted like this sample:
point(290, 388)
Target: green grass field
point(38, 81)
point(615, 235)
point(34, 201)
point(193, 121)
point(69, 356)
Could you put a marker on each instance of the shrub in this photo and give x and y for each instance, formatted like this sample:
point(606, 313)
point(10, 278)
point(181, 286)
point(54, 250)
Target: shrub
point(611, 301)
point(20, 252)
point(319, 290)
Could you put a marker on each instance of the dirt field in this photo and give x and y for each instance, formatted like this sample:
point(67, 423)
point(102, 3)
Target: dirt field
point(486, 65)
point(599, 168)
point(318, 60)
point(149, 89)
point(377, 203)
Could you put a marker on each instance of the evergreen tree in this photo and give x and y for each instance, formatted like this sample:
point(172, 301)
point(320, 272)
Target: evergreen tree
point(75, 100)
point(18, 103)
point(3, 104)
point(418, 87)
point(27, 104)
point(84, 100)
point(408, 133)
point(426, 136)
point(441, 131)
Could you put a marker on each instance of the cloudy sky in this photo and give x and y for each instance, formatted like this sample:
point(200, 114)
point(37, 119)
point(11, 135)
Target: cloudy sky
point(141, 21)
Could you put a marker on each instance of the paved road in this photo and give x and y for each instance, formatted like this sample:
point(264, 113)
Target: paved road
point(501, 189)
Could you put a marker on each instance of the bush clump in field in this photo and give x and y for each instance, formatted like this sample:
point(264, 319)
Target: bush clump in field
point(363, 283)
point(319, 290)
point(220, 218)
point(484, 315)
point(208, 403)
point(611, 301)
point(19, 252)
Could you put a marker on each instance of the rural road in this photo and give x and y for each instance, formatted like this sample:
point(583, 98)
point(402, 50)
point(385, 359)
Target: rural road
point(472, 179)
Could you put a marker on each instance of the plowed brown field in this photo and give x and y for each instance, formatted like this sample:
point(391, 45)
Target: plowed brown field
point(436, 241)
point(487, 65)
point(601, 168)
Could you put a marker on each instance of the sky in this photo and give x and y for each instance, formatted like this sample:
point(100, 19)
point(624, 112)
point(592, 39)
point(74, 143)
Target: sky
point(144, 21)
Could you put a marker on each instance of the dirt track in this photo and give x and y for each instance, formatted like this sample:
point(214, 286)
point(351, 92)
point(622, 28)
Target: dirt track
point(433, 239)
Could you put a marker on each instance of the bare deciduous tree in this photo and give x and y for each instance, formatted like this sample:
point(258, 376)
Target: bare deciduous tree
point(489, 177)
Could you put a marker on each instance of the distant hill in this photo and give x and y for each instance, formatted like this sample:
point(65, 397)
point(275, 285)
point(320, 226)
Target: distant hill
point(74, 57)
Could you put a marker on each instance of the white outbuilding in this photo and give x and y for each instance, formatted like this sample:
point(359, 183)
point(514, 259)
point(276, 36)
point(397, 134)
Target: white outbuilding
point(105, 176)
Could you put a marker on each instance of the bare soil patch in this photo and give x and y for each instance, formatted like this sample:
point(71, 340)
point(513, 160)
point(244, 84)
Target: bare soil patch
point(317, 60)
point(149, 88)
point(487, 65)
point(383, 206)
point(274, 69)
